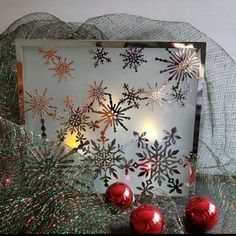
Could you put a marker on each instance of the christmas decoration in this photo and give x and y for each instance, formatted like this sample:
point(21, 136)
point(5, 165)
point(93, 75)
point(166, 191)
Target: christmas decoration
point(64, 210)
point(146, 219)
point(202, 213)
point(120, 195)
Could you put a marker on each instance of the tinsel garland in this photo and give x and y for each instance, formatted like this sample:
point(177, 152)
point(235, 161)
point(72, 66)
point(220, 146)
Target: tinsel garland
point(44, 188)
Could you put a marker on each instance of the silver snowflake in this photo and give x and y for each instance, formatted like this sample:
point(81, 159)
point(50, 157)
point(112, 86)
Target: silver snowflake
point(105, 158)
point(155, 95)
point(182, 64)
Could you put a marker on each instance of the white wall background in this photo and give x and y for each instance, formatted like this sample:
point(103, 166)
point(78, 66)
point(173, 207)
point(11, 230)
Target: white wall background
point(216, 18)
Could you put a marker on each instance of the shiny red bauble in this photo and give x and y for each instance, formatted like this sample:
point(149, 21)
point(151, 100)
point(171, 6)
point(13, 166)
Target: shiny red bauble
point(119, 194)
point(146, 219)
point(202, 214)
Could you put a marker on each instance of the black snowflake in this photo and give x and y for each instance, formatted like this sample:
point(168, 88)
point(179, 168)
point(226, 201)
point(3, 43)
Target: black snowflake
point(178, 96)
point(112, 114)
point(132, 96)
point(105, 158)
point(182, 64)
point(174, 185)
point(100, 56)
point(141, 140)
point(133, 58)
point(77, 121)
point(157, 162)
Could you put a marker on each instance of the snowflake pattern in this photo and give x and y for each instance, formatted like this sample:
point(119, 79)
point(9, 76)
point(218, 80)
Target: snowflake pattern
point(112, 115)
point(158, 162)
point(62, 69)
point(132, 96)
point(69, 101)
point(178, 96)
point(174, 185)
point(97, 92)
point(39, 105)
point(49, 55)
point(155, 95)
point(48, 163)
point(133, 58)
point(100, 56)
point(105, 158)
point(182, 64)
point(77, 120)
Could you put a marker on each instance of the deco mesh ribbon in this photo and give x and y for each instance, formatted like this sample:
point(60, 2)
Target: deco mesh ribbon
point(44, 187)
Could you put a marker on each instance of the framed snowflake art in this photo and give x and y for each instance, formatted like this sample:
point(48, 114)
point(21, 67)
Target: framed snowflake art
point(129, 107)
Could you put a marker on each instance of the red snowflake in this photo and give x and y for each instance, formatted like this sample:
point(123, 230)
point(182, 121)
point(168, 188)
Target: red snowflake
point(62, 69)
point(69, 101)
point(49, 55)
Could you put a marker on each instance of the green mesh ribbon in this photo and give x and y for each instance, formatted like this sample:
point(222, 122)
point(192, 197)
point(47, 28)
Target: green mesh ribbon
point(44, 188)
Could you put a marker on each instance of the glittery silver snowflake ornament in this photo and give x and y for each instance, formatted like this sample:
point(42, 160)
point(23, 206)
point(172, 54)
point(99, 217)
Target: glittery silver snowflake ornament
point(183, 63)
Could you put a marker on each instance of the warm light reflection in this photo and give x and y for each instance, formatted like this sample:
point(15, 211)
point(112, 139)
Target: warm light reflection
point(156, 218)
point(183, 45)
point(212, 208)
point(150, 126)
point(70, 140)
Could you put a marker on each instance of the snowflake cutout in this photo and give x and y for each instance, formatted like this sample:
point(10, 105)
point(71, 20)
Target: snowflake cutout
point(174, 185)
point(47, 163)
point(178, 96)
point(133, 58)
point(40, 105)
point(49, 55)
point(158, 162)
point(182, 64)
point(100, 56)
point(155, 95)
point(140, 139)
point(104, 157)
point(97, 92)
point(62, 69)
point(132, 96)
point(69, 101)
point(77, 121)
point(112, 115)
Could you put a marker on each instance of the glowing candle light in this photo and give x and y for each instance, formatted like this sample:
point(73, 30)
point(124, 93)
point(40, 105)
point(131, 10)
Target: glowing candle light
point(70, 140)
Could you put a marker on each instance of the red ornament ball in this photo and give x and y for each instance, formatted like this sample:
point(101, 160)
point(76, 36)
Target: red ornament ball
point(202, 214)
point(119, 194)
point(146, 219)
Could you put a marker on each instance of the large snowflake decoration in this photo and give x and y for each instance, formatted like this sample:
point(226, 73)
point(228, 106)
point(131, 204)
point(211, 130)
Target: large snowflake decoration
point(49, 55)
point(97, 92)
point(112, 115)
point(100, 56)
point(40, 104)
point(178, 96)
point(133, 58)
point(158, 162)
point(62, 69)
point(105, 158)
point(48, 163)
point(182, 64)
point(132, 96)
point(155, 95)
